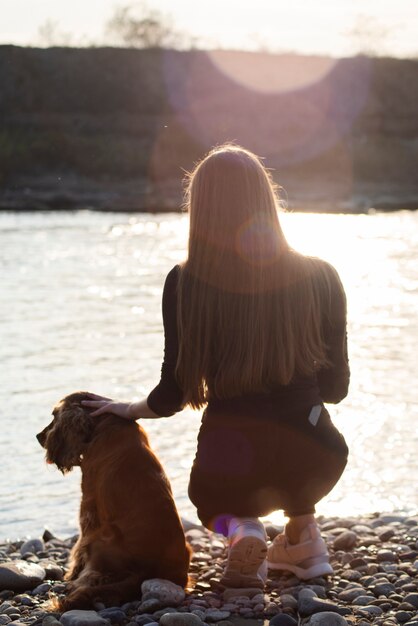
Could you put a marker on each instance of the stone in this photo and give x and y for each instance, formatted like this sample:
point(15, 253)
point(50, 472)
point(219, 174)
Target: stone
point(165, 591)
point(215, 615)
point(4, 619)
point(282, 619)
point(372, 609)
point(32, 546)
point(327, 619)
point(50, 620)
point(362, 600)
point(150, 606)
point(168, 609)
point(20, 575)
point(345, 541)
point(180, 619)
point(199, 612)
point(385, 533)
point(143, 619)
point(248, 592)
point(41, 589)
point(385, 555)
point(288, 601)
point(306, 594)
point(259, 598)
point(383, 589)
point(53, 571)
point(412, 598)
point(82, 618)
point(5, 606)
point(24, 600)
point(403, 616)
point(309, 606)
point(113, 614)
point(348, 595)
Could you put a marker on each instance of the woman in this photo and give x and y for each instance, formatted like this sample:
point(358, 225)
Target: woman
point(256, 333)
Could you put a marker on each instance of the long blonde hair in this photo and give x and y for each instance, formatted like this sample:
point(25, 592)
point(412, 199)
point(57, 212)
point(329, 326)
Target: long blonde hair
point(249, 307)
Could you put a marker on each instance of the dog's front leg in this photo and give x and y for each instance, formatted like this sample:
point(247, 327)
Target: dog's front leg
point(80, 552)
point(78, 559)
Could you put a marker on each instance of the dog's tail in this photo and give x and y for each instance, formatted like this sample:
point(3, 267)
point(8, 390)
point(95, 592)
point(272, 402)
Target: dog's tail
point(111, 594)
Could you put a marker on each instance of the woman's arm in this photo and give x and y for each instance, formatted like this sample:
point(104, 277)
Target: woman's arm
point(166, 398)
point(127, 410)
point(334, 380)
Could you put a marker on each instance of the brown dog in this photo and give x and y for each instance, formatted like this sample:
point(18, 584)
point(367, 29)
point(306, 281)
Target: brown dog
point(130, 528)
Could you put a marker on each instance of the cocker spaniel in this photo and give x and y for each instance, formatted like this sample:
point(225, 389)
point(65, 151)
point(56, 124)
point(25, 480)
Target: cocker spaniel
point(130, 528)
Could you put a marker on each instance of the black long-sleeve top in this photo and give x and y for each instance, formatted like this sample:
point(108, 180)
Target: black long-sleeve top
point(327, 385)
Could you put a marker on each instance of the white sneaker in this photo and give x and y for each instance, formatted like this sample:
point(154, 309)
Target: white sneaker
point(246, 565)
point(307, 559)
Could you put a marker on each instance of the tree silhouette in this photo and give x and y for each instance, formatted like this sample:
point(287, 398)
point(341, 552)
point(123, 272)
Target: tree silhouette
point(140, 26)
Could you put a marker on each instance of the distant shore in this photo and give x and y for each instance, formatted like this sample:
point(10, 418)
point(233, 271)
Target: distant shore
point(115, 129)
point(50, 194)
point(375, 561)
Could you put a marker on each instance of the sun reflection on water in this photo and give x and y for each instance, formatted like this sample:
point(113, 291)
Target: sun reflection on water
point(81, 308)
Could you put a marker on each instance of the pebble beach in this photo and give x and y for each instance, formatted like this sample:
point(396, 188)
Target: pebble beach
point(375, 581)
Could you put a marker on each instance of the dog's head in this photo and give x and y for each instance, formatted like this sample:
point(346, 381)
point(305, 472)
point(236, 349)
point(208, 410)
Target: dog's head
point(66, 438)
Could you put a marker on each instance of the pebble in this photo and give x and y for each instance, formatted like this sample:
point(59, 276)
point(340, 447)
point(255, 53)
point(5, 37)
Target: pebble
point(32, 546)
point(247, 592)
point(386, 555)
point(375, 583)
point(349, 595)
point(346, 540)
point(113, 614)
point(327, 619)
point(215, 615)
point(372, 609)
point(166, 592)
point(180, 619)
point(50, 620)
point(362, 600)
point(288, 601)
point(283, 620)
point(412, 598)
point(309, 603)
point(143, 619)
point(20, 575)
point(53, 571)
point(403, 616)
point(82, 618)
point(384, 589)
point(41, 589)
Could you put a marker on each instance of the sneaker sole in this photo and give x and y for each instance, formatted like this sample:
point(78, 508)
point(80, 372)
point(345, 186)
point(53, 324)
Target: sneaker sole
point(244, 560)
point(321, 569)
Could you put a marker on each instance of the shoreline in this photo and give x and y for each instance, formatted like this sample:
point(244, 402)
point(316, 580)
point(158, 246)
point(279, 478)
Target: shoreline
point(74, 193)
point(375, 581)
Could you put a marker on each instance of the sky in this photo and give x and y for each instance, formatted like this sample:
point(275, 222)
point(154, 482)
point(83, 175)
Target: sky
point(332, 27)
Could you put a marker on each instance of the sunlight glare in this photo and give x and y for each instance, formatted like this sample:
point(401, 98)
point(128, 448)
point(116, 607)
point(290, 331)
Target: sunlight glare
point(266, 73)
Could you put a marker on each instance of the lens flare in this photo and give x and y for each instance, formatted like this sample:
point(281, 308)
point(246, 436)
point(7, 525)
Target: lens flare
point(257, 242)
point(304, 111)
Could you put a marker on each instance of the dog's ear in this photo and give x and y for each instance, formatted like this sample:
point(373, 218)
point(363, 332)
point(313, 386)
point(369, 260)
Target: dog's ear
point(69, 436)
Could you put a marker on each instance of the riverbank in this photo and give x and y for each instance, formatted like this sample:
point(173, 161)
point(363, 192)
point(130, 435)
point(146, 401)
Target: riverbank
point(375, 560)
point(69, 192)
point(115, 129)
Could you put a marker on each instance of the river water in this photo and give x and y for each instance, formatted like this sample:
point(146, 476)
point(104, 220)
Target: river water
point(80, 308)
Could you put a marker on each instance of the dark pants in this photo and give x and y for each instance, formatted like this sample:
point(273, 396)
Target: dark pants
point(248, 466)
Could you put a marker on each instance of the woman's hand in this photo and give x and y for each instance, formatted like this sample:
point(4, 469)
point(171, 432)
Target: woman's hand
point(107, 405)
